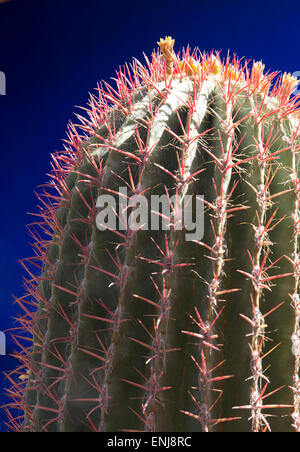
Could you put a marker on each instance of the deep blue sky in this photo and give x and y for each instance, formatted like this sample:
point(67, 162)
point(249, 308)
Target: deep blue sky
point(53, 52)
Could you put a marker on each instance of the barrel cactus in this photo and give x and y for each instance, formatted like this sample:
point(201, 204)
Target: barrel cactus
point(141, 325)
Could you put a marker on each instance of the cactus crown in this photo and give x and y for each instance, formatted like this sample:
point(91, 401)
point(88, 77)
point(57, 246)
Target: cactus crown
point(141, 329)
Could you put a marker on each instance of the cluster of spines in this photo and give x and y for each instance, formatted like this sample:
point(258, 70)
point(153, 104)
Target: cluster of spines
point(120, 102)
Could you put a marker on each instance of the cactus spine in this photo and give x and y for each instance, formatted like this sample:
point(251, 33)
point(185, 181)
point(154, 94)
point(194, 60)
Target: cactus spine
point(140, 329)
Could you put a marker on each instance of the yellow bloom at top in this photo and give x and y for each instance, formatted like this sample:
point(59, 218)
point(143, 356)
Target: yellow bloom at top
point(166, 46)
point(289, 81)
point(213, 65)
point(189, 66)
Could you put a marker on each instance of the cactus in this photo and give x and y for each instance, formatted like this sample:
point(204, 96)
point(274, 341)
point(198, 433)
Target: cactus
point(136, 329)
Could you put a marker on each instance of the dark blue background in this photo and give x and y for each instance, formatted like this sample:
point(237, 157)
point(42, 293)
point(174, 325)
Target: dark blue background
point(53, 52)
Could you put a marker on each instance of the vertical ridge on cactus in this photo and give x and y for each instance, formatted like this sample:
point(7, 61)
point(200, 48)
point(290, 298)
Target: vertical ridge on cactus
point(153, 329)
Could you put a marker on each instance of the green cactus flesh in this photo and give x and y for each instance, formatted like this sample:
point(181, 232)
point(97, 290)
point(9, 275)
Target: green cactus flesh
point(141, 329)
